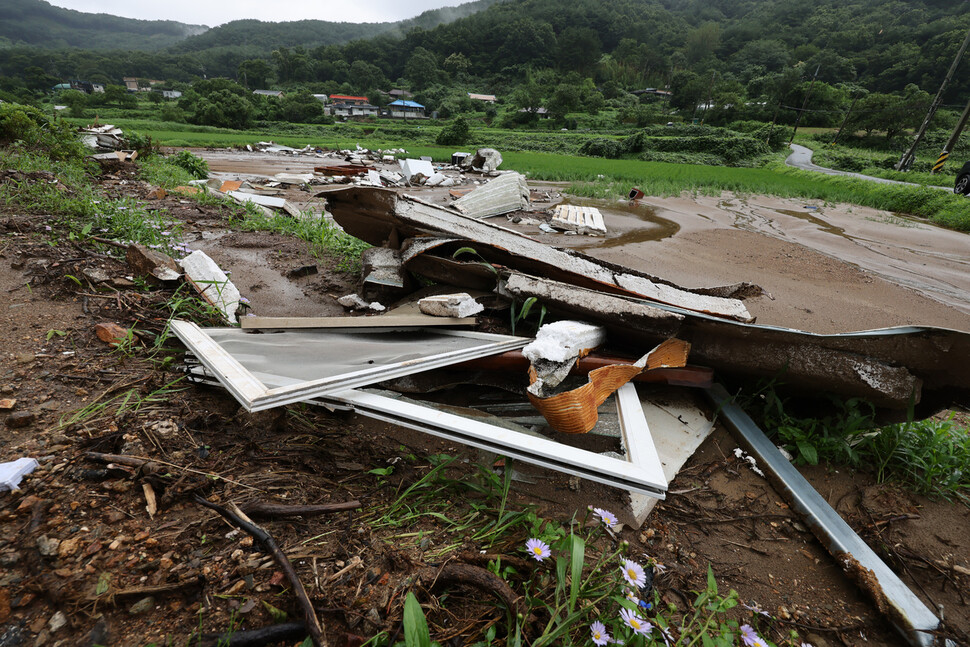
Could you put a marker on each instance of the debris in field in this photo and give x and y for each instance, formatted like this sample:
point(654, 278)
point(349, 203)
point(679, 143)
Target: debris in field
point(12, 472)
point(383, 273)
point(575, 411)
point(508, 192)
point(111, 333)
point(558, 345)
point(343, 169)
point(374, 215)
point(582, 220)
point(211, 282)
point(297, 365)
point(549, 229)
point(147, 262)
point(389, 320)
point(450, 305)
point(486, 160)
point(102, 138)
point(412, 167)
point(635, 194)
point(262, 200)
point(294, 178)
point(355, 302)
point(750, 460)
point(886, 366)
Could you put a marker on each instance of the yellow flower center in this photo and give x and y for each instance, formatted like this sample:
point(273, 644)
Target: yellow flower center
point(537, 550)
point(634, 623)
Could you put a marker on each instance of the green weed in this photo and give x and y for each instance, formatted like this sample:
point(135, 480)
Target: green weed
point(927, 456)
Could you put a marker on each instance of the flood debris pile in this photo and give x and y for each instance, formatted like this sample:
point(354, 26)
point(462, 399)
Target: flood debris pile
point(586, 374)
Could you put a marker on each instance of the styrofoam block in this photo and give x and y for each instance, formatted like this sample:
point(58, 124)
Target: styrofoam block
point(562, 341)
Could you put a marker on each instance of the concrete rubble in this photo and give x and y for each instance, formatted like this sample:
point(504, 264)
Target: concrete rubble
point(458, 305)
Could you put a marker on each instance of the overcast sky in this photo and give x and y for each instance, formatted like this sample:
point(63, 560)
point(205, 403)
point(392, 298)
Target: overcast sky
point(216, 12)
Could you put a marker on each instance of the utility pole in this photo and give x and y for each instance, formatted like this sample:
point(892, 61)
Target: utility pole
point(845, 121)
point(710, 97)
point(906, 161)
point(808, 95)
point(948, 147)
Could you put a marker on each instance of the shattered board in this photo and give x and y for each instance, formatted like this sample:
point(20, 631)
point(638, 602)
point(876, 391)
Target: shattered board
point(270, 370)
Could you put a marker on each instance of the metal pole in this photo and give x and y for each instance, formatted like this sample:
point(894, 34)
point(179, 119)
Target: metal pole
point(808, 95)
point(710, 97)
point(844, 121)
point(906, 160)
point(948, 147)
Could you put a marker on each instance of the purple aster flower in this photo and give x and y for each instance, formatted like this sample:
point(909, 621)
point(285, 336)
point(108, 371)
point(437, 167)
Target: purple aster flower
point(606, 517)
point(599, 634)
point(635, 622)
point(538, 549)
point(633, 574)
point(750, 638)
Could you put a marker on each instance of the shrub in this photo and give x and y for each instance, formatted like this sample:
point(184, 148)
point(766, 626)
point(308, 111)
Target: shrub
point(602, 147)
point(456, 133)
point(32, 130)
point(196, 166)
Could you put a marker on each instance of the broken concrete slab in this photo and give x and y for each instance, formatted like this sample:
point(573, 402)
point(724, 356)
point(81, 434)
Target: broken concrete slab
point(558, 345)
point(506, 193)
point(582, 220)
point(458, 305)
point(262, 200)
point(147, 262)
point(374, 215)
point(356, 302)
point(212, 283)
point(388, 320)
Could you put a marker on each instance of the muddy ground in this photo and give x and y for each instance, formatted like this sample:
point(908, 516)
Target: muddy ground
point(83, 562)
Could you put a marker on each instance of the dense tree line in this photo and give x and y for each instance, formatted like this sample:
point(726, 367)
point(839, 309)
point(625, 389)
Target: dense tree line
point(724, 60)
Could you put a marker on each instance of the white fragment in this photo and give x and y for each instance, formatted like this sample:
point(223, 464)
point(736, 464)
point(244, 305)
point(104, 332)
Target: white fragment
point(212, 283)
point(450, 305)
point(563, 341)
point(11, 473)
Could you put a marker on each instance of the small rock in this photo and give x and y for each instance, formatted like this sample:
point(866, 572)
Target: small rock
point(7, 404)
point(20, 419)
point(111, 333)
point(374, 616)
point(99, 634)
point(57, 621)
point(67, 548)
point(47, 546)
point(142, 606)
point(10, 558)
point(42, 638)
point(95, 275)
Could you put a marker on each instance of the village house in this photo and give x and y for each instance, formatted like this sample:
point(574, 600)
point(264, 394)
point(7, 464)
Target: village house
point(269, 93)
point(404, 109)
point(487, 98)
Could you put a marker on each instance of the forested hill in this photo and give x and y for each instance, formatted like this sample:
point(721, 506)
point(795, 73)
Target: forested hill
point(257, 36)
point(38, 23)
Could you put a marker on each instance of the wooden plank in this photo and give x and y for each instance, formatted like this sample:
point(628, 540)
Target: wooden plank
point(382, 321)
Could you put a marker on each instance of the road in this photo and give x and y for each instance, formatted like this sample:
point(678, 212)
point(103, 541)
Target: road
point(801, 158)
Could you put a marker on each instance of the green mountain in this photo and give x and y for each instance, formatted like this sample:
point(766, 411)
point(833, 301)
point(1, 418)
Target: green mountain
point(263, 37)
point(38, 23)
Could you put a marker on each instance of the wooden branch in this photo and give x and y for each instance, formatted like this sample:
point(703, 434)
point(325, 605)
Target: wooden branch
point(475, 577)
point(314, 628)
point(276, 510)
